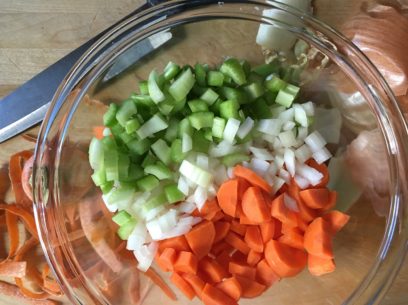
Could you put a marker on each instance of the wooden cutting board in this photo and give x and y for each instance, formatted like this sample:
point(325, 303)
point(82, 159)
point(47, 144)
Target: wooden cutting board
point(36, 33)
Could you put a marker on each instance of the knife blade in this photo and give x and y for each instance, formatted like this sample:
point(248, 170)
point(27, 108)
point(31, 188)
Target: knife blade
point(28, 104)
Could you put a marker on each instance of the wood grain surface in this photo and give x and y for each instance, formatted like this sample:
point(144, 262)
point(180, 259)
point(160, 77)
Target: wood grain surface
point(36, 33)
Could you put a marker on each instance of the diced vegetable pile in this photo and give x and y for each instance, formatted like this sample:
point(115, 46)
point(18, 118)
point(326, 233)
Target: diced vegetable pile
point(219, 174)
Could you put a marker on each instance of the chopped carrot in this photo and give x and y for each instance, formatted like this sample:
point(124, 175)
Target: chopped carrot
point(316, 198)
point(13, 233)
point(98, 132)
point(231, 288)
point(322, 168)
point(210, 209)
point(156, 279)
point(167, 259)
point(220, 247)
point(292, 239)
point(253, 238)
point(183, 285)
point(243, 219)
point(282, 213)
point(177, 243)
point(227, 196)
point(237, 243)
point(186, 262)
point(238, 228)
point(319, 266)
point(286, 229)
point(243, 185)
point(212, 269)
point(318, 239)
point(284, 260)
point(336, 220)
point(224, 258)
point(332, 201)
point(195, 282)
point(239, 257)
point(302, 224)
point(217, 216)
point(250, 288)
point(278, 229)
point(265, 274)
point(252, 177)
point(267, 230)
point(254, 206)
point(242, 269)
point(253, 257)
point(214, 296)
point(201, 238)
point(306, 213)
point(221, 230)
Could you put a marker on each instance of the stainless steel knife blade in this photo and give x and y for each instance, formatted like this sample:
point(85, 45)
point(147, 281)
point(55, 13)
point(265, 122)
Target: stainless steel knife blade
point(27, 105)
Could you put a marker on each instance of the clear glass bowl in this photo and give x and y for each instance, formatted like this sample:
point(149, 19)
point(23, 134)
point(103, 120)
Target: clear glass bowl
point(68, 206)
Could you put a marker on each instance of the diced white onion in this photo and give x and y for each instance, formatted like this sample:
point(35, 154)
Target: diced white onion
point(322, 155)
point(195, 174)
point(202, 161)
point(287, 138)
point(268, 138)
point(311, 174)
point(183, 186)
point(200, 197)
point(186, 143)
point(303, 183)
point(259, 166)
point(186, 207)
point(231, 130)
point(289, 125)
point(245, 128)
point(222, 149)
point(279, 161)
point(300, 115)
point(277, 143)
point(290, 203)
point(270, 126)
point(168, 220)
point(303, 132)
point(220, 174)
point(138, 237)
point(152, 213)
point(287, 115)
point(230, 172)
point(315, 141)
point(145, 255)
point(309, 108)
point(106, 132)
point(289, 158)
point(277, 184)
point(303, 153)
point(284, 174)
point(272, 169)
point(261, 153)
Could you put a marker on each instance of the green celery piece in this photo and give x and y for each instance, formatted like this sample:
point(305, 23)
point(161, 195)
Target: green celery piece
point(255, 78)
point(121, 218)
point(162, 151)
point(171, 131)
point(218, 127)
point(234, 94)
point(173, 194)
point(197, 90)
point(126, 138)
point(215, 78)
point(208, 134)
point(200, 143)
point(265, 70)
point(123, 166)
point(287, 95)
point(155, 124)
point(171, 71)
point(155, 202)
point(233, 159)
point(233, 68)
point(125, 230)
point(216, 107)
point(167, 106)
point(254, 91)
point(143, 87)
point(260, 109)
point(125, 112)
point(149, 159)
point(159, 170)
point(135, 172)
point(209, 96)
point(275, 84)
point(155, 91)
point(179, 106)
point(180, 88)
point(117, 129)
point(109, 118)
point(177, 155)
point(147, 183)
point(139, 147)
point(132, 125)
point(99, 177)
point(229, 109)
point(145, 106)
point(246, 66)
point(110, 160)
point(200, 74)
point(106, 187)
point(185, 127)
point(197, 105)
point(200, 120)
point(270, 97)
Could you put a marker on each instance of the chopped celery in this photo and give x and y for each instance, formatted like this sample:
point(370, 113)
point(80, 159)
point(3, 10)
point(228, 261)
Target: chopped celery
point(125, 112)
point(246, 66)
point(185, 127)
point(197, 105)
point(155, 202)
point(159, 170)
point(234, 94)
point(106, 187)
point(142, 100)
point(117, 130)
point(260, 109)
point(162, 151)
point(167, 106)
point(233, 68)
point(218, 127)
point(139, 147)
point(154, 90)
point(121, 217)
point(215, 78)
point(255, 78)
point(125, 230)
point(270, 97)
point(150, 127)
point(287, 95)
point(96, 153)
point(229, 109)
point(171, 131)
point(179, 106)
point(132, 125)
point(200, 120)
point(149, 159)
point(254, 90)
point(266, 69)
point(135, 172)
point(177, 154)
point(200, 74)
point(126, 138)
point(111, 164)
point(171, 70)
point(109, 118)
point(235, 158)
point(275, 84)
point(123, 166)
point(195, 173)
point(121, 196)
point(99, 177)
point(208, 134)
point(200, 143)
point(209, 96)
point(182, 85)
point(143, 87)
point(147, 183)
point(173, 194)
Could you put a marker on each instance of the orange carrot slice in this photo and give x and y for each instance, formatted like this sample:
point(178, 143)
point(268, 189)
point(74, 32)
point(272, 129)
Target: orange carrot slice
point(224, 258)
point(177, 243)
point(195, 282)
point(227, 196)
point(98, 132)
point(336, 220)
point(284, 260)
point(210, 209)
point(317, 198)
point(237, 243)
point(265, 274)
point(212, 269)
point(186, 262)
point(267, 230)
point(306, 213)
point(243, 185)
point(220, 247)
point(332, 201)
point(231, 288)
point(167, 259)
point(282, 213)
point(292, 239)
point(252, 177)
point(318, 239)
point(253, 238)
point(254, 206)
point(238, 228)
point(221, 230)
point(242, 269)
point(214, 296)
point(250, 288)
point(253, 257)
point(183, 285)
point(319, 266)
point(201, 238)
